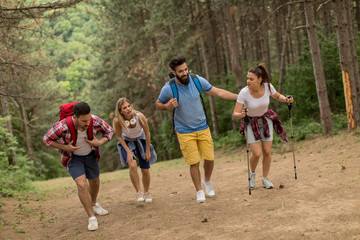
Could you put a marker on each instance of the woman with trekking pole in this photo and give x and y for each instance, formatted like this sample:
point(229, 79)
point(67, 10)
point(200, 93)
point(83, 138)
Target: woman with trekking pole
point(256, 98)
point(134, 146)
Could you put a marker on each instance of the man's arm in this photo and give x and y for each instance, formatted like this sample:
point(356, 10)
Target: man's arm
point(172, 103)
point(221, 93)
point(65, 147)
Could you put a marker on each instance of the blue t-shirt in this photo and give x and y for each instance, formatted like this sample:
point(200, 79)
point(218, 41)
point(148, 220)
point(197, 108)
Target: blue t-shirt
point(189, 114)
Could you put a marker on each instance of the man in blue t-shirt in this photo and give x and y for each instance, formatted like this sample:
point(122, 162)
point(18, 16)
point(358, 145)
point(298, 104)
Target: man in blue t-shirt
point(190, 122)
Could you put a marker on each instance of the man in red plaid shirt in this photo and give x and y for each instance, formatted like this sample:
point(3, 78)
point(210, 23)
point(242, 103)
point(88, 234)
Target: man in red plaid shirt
point(81, 159)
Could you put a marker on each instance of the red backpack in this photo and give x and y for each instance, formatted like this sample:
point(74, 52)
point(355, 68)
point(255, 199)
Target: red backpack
point(66, 111)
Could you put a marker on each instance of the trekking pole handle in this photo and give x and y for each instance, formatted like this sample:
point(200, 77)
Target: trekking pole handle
point(289, 104)
point(288, 97)
point(246, 118)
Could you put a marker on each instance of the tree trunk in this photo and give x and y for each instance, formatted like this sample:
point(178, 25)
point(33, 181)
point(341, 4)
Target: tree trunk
point(213, 39)
point(284, 50)
point(325, 19)
point(197, 48)
point(235, 51)
point(341, 25)
point(5, 113)
point(352, 42)
point(208, 75)
point(225, 44)
point(357, 7)
point(325, 111)
point(259, 39)
point(198, 57)
point(298, 42)
point(26, 129)
point(291, 51)
point(278, 33)
point(265, 34)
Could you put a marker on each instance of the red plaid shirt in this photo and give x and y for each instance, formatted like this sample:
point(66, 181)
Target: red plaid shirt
point(61, 130)
point(256, 128)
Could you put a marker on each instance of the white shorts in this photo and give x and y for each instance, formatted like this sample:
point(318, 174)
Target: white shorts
point(251, 137)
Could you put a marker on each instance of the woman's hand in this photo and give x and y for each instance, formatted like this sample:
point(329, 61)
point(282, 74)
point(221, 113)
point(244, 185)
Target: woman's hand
point(239, 115)
point(147, 155)
point(130, 157)
point(289, 100)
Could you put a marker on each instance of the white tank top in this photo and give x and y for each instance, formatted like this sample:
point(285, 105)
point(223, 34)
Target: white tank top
point(81, 142)
point(133, 132)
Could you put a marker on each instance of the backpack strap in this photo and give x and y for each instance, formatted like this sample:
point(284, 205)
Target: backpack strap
point(71, 127)
point(174, 89)
point(175, 92)
point(73, 131)
point(197, 83)
point(90, 134)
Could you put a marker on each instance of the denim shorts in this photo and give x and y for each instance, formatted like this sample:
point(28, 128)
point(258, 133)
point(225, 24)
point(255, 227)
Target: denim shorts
point(142, 162)
point(251, 137)
point(87, 165)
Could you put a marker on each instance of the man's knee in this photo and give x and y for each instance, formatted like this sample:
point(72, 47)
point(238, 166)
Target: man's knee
point(81, 183)
point(195, 165)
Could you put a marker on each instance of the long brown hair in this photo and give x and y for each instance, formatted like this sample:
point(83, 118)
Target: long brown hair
point(260, 71)
point(119, 116)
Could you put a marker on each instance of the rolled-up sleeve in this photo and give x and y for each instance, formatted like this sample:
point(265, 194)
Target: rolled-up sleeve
point(53, 134)
point(101, 126)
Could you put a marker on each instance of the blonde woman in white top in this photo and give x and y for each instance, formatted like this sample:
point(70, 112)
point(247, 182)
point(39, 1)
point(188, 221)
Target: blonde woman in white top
point(132, 131)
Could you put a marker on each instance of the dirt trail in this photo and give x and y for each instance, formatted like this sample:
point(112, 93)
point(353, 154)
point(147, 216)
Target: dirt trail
point(323, 203)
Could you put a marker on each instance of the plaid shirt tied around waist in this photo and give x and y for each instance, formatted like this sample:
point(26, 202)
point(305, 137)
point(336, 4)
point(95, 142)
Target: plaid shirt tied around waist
point(61, 131)
point(256, 128)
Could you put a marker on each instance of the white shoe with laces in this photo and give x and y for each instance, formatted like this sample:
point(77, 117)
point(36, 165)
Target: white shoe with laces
point(252, 180)
point(93, 224)
point(200, 196)
point(267, 183)
point(208, 188)
point(147, 197)
point(98, 210)
point(140, 197)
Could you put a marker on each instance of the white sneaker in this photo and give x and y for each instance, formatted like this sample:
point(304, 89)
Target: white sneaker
point(140, 197)
point(252, 180)
point(93, 224)
point(98, 210)
point(200, 196)
point(147, 197)
point(267, 183)
point(208, 188)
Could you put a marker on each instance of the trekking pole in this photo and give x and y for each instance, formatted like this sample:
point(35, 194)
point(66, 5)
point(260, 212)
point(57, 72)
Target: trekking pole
point(292, 135)
point(247, 121)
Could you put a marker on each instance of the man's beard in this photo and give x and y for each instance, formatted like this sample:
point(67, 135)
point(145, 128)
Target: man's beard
point(81, 128)
point(183, 81)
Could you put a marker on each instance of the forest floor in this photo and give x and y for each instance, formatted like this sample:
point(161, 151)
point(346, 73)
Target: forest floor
point(323, 203)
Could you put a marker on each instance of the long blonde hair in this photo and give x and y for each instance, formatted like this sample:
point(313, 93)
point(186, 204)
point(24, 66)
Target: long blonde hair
point(119, 116)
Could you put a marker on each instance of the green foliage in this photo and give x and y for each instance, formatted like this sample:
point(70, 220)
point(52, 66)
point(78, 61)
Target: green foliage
point(70, 48)
point(339, 121)
point(229, 140)
point(13, 179)
point(300, 82)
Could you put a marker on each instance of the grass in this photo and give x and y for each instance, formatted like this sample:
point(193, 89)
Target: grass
point(67, 183)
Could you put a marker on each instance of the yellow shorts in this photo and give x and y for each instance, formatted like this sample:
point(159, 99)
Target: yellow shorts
point(193, 143)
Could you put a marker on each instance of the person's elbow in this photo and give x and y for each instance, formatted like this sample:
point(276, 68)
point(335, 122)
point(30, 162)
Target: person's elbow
point(236, 115)
point(159, 105)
